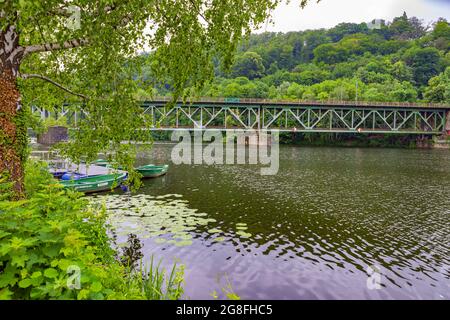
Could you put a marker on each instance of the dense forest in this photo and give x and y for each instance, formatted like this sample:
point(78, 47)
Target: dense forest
point(402, 60)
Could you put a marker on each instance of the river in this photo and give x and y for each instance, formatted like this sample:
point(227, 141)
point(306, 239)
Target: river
point(310, 232)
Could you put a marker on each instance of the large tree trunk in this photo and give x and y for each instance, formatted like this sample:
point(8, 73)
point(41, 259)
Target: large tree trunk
point(13, 135)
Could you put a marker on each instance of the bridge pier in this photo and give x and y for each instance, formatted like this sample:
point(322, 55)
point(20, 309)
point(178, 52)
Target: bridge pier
point(447, 124)
point(254, 138)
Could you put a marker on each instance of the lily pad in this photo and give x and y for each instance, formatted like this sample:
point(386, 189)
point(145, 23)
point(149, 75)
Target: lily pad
point(150, 216)
point(183, 243)
point(183, 236)
point(214, 231)
point(244, 234)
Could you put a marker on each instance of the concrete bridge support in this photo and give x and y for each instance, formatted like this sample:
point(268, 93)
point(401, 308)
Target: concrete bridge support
point(447, 124)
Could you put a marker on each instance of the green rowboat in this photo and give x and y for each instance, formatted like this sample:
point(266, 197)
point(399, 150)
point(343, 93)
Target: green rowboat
point(147, 171)
point(95, 183)
point(100, 162)
point(152, 171)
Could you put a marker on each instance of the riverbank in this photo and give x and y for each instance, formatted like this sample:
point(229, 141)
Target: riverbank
point(349, 140)
point(55, 245)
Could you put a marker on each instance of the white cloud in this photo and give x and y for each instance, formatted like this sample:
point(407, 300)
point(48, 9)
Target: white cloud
point(328, 13)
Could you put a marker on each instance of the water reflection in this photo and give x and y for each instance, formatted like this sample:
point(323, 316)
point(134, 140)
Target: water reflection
point(311, 231)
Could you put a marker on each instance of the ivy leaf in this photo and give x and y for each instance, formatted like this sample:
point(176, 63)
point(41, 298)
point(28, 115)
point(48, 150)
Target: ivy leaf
point(19, 260)
point(4, 234)
point(51, 273)
point(48, 237)
point(97, 296)
point(51, 251)
point(5, 294)
point(83, 294)
point(25, 283)
point(17, 243)
point(4, 249)
point(96, 286)
point(8, 278)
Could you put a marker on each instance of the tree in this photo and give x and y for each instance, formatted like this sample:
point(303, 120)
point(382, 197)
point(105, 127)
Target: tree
point(438, 89)
point(405, 28)
point(401, 71)
point(441, 30)
point(402, 91)
point(441, 35)
point(248, 65)
point(330, 53)
point(83, 47)
point(344, 29)
point(425, 62)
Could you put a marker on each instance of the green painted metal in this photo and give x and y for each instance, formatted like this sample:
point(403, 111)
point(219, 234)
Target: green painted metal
point(232, 100)
point(147, 171)
point(95, 183)
point(297, 116)
point(152, 171)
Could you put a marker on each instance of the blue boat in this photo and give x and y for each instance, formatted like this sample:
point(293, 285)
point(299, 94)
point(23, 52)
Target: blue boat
point(72, 176)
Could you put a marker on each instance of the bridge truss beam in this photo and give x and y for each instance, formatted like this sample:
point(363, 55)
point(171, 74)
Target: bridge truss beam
point(333, 119)
point(298, 118)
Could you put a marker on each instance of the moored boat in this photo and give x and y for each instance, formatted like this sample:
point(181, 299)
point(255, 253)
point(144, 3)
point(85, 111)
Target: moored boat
point(95, 183)
point(147, 171)
point(101, 162)
point(152, 171)
point(73, 176)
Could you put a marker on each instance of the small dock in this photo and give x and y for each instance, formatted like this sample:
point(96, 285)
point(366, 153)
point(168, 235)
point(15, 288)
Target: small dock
point(58, 167)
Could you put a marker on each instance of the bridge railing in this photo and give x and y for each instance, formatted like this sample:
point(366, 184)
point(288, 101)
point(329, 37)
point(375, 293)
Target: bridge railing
point(305, 102)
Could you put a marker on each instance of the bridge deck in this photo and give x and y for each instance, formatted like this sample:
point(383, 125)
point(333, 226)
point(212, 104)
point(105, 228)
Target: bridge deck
point(244, 102)
point(300, 115)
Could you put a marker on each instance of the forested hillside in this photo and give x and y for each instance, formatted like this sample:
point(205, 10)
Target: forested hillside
point(402, 60)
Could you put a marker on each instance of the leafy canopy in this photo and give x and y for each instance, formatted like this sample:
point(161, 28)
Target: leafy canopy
point(87, 47)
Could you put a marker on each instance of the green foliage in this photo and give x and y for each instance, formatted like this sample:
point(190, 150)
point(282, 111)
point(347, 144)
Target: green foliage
point(6, 191)
point(156, 278)
point(94, 62)
point(407, 28)
point(51, 237)
point(439, 88)
point(248, 65)
point(227, 291)
point(426, 63)
point(131, 254)
point(441, 35)
point(393, 63)
point(441, 30)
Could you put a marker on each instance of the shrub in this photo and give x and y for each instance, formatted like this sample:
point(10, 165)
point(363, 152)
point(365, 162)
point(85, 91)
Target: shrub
point(53, 246)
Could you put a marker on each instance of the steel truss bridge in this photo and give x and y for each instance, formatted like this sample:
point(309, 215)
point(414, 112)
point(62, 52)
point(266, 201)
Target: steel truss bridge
point(291, 116)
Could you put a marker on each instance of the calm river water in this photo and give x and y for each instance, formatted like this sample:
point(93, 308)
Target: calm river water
point(309, 232)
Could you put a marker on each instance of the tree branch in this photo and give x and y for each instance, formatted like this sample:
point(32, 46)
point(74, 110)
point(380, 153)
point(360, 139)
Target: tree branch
point(199, 12)
point(55, 46)
point(38, 76)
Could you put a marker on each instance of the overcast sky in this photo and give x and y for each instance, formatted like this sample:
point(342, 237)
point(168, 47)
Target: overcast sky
point(328, 13)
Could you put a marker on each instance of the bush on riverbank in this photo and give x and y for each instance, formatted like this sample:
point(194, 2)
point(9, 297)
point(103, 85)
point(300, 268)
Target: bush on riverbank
point(349, 140)
point(53, 246)
point(315, 139)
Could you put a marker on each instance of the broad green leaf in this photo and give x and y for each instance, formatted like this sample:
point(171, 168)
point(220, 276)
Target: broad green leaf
point(25, 283)
point(5, 294)
point(51, 273)
point(96, 286)
point(8, 278)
